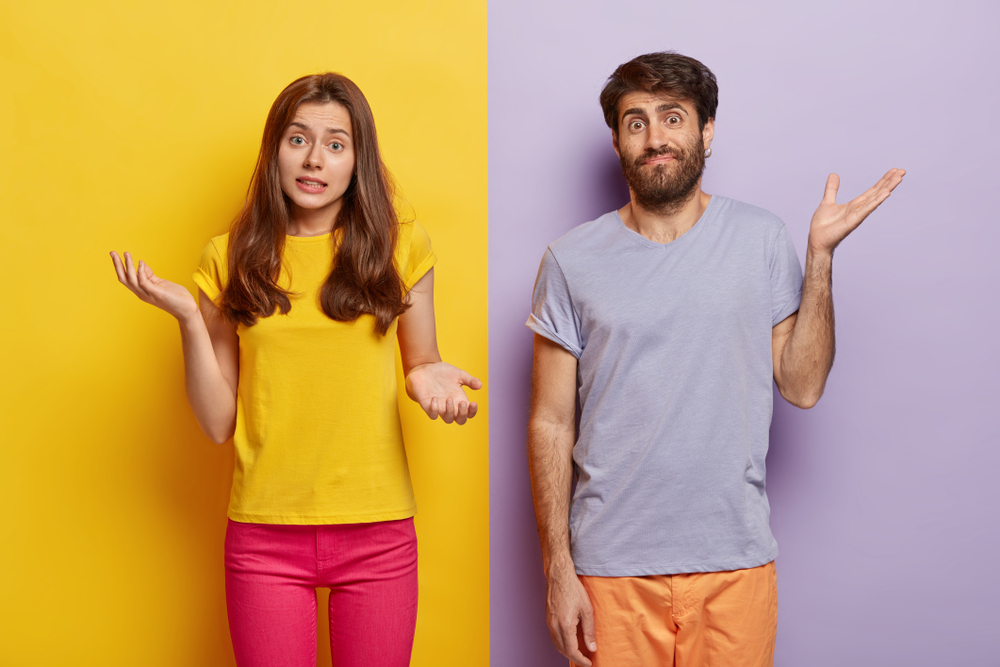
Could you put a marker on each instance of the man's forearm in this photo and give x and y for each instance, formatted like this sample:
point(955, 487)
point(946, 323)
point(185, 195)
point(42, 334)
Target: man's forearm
point(808, 355)
point(550, 465)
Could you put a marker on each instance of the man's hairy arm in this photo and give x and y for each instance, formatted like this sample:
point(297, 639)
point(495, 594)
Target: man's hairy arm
point(803, 344)
point(551, 433)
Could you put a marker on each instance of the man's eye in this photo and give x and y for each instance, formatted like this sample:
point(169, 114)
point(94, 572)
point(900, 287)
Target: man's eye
point(673, 120)
point(636, 125)
point(297, 141)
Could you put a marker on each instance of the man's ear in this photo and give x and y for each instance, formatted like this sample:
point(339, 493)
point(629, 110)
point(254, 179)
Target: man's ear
point(708, 132)
point(614, 144)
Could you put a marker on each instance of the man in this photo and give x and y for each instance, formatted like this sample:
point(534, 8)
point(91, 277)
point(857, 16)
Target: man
point(666, 320)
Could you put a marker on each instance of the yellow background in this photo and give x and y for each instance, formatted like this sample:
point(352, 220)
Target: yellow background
point(134, 126)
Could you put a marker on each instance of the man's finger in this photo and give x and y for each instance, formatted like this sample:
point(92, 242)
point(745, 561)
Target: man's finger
point(572, 648)
point(473, 409)
point(589, 632)
point(832, 185)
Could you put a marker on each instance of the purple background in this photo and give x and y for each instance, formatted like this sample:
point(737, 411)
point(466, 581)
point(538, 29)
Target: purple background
point(884, 497)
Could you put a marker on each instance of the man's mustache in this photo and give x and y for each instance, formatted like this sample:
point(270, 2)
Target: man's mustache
point(649, 154)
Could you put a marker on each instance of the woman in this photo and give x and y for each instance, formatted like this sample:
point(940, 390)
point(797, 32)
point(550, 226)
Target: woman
point(290, 350)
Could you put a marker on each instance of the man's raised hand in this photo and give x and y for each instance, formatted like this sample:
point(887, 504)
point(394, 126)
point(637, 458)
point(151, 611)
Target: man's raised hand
point(832, 222)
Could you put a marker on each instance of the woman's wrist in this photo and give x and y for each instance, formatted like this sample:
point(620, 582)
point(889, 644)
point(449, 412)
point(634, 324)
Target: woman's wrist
point(191, 318)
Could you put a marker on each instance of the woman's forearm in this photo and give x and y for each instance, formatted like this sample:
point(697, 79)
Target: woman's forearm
point(212, 397)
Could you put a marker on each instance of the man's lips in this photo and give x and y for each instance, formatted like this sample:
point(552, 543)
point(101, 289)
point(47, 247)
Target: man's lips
point(659, 159)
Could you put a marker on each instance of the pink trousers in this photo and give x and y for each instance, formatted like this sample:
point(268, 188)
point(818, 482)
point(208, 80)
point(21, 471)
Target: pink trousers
point(272, 572)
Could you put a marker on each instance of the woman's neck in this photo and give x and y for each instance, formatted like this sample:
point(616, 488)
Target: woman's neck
point(311, 222)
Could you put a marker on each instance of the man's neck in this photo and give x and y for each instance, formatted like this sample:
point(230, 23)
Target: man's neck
point(664, 227)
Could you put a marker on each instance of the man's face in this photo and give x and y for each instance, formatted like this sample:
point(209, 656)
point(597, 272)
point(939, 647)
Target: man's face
point(661, 149)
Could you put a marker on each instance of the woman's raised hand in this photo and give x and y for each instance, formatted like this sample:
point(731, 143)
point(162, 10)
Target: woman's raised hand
point(437, 387)
point(161, 293)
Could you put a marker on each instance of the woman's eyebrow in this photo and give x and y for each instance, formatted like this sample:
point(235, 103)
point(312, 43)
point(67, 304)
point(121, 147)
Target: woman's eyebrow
point(329, 130)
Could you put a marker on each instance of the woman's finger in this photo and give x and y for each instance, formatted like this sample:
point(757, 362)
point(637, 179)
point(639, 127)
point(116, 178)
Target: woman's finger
point(470, 381)
point(432, 408)
point(133, 278)
point(119, 268)
point(142, 274)
point(462, 413)
point(473, 409)
point(130, 270)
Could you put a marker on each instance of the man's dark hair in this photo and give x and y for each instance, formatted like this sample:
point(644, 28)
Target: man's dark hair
point(665, 72)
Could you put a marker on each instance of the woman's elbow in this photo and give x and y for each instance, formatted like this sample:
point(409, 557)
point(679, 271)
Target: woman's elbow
point(219, 433)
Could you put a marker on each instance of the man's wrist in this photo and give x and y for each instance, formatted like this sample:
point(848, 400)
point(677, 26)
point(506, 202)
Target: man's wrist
point(819, 256)
point(559, 566)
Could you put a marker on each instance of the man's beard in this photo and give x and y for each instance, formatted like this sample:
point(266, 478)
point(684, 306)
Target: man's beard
point(665, 188)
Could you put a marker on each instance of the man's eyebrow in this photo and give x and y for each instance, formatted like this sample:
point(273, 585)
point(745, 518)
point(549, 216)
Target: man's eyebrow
point(329, 130)
point(634, 111)
point(667, 106)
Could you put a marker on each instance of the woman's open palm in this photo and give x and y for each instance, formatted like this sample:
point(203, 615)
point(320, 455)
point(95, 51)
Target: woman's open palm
point(146, 285)
point(438, 388)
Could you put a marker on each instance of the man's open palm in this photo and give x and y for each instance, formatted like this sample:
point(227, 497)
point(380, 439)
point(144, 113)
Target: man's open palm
point(832, 222)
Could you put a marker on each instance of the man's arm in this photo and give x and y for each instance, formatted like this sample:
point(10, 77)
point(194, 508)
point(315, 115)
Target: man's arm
point(551, 433)
point(803, 344)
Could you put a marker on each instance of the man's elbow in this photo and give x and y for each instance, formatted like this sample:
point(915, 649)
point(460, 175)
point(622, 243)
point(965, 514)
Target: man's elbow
point(803, 399)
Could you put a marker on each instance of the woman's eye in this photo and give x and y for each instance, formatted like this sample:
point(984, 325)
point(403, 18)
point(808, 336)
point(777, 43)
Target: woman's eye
point(336, 146)
point(297, 141)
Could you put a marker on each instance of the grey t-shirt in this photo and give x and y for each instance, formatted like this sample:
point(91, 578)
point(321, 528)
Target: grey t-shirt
point(674, 381)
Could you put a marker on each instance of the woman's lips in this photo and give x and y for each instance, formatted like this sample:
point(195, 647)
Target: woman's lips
point(310, 185)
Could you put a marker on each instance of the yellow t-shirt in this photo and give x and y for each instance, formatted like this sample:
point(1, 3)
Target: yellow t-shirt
point(318, 438)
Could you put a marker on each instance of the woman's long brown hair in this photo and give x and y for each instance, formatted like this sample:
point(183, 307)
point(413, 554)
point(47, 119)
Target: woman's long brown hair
point(364, 278)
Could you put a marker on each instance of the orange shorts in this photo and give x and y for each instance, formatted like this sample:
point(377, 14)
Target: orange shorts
point(702, 619)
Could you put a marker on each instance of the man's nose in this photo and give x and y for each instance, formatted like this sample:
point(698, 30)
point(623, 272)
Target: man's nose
point(656, 136)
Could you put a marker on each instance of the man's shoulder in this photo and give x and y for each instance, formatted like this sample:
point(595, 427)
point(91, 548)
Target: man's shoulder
point(587, 238)
point(736, 213)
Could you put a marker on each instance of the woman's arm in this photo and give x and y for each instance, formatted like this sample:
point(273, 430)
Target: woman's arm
point(209, 341)
point(435, 385)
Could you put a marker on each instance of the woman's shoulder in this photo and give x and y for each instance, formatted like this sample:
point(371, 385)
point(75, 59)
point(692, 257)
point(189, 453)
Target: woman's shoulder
point(412, 232)
point(216, 250)
point(414, 255)
point(220, 243)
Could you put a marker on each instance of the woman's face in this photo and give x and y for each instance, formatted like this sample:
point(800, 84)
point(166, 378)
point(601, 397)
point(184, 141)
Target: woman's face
point(316, 159)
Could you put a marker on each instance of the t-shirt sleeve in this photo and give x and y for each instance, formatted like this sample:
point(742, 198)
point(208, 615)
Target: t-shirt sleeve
point(786, 277)
point(420, 258)
point(212, 273)
point(552, 312)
